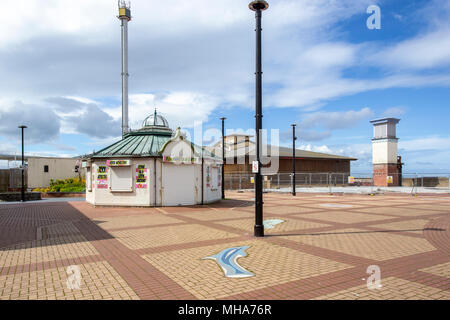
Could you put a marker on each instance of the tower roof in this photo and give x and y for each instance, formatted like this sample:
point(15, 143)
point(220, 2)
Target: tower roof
point(147, 141)
point(385, 120)
point(155, 119)
point(155, 122)
point(136, 144)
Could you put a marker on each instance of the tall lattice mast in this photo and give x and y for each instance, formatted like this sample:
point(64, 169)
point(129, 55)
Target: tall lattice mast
point(124, 17)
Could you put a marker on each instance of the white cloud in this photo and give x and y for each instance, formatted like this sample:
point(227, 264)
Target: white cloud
point(428, 154)
point(322, 148)
point(422, 52)
point(43, 124)
point(188, 59)
point(336, 120)
point(181, 109)
point(199, 47)
point(328, 122)
point(424, 155)
point(394, 112)
point(426, 143)
point(30, 18)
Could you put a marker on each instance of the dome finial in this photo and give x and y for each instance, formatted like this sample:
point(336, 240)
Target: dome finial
point(155, 120)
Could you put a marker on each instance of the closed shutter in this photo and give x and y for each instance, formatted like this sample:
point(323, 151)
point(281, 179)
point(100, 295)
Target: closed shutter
point(121, 179)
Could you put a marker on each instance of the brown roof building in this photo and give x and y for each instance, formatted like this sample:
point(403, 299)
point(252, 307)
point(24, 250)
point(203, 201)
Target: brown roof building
point(240, 151)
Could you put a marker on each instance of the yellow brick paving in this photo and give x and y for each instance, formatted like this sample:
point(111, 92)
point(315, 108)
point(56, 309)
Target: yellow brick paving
point(273, 265)
point(164, 236)
point(270, 263)
point(284, 209)
point(328, 205)
point(414, 226)
point(135, 221)
point(217, 215)
point(367, 244)
point(431, 207)
point(399, 211)
point(392, 289)
point(287, 225)
point(344, 217)
point(98, 281)
point(442, 270)
point(46, 250)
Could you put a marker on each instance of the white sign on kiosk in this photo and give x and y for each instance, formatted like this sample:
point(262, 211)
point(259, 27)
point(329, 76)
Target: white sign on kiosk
point(118, 163)
point(255, 167)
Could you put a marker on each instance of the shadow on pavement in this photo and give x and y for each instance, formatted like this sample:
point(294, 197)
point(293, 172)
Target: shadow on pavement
point(352, 232)
point(46, 224)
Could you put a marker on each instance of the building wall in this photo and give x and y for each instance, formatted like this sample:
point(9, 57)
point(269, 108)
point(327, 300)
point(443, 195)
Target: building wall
point(58, 168)
point(315, 165)
point(156, 184)
point(382, 171)
point(384, 151)
point(384, 160)
point(105, 196)
point(301, 165)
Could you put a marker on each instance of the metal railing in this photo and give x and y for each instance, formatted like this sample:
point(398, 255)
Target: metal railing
point(336, 181)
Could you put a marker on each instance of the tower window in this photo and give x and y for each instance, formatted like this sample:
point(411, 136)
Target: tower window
point(46, 168)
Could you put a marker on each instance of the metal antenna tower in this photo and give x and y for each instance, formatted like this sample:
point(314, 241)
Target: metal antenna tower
point(124, 17)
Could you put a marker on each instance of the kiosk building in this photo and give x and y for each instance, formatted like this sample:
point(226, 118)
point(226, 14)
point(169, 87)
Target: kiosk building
point(153, 166)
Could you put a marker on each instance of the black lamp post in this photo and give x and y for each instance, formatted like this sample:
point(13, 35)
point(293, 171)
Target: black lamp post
point(258, 6)
point(223, 157)
point(23, 166)
point(293, 158)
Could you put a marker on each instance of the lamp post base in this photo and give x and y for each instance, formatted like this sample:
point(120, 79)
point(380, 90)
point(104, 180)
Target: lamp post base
point(259, 230)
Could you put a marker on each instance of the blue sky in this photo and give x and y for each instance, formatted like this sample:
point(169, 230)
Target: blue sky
point(323, 69)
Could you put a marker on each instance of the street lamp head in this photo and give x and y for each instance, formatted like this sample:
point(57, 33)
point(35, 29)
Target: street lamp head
point(22, 127)
point(258, 5)
point(223, 118)
point(294, 124)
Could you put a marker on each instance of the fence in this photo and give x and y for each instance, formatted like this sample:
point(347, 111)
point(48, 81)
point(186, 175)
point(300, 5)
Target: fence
point(11, 179)
point(283, 181)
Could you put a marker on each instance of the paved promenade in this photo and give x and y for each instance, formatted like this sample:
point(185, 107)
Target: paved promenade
point(316, 247)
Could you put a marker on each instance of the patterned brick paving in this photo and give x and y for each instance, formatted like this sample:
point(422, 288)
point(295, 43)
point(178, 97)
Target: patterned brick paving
point(100, 281)
point(392, 289)
point(321, 251)
point(205, 279)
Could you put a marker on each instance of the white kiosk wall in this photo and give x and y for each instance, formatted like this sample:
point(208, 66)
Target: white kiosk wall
point(112, 185)
point(179, 184)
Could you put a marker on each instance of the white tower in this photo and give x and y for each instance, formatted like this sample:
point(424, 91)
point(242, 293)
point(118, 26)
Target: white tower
point(384, 152)
point(124, 16)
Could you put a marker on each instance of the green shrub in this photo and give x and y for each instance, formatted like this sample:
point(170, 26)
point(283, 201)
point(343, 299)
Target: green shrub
point(66, 185)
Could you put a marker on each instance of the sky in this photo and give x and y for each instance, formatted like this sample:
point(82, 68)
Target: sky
point(193, 61)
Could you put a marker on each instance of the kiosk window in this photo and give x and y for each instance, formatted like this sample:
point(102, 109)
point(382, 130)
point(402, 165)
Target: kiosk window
point(121, 179)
